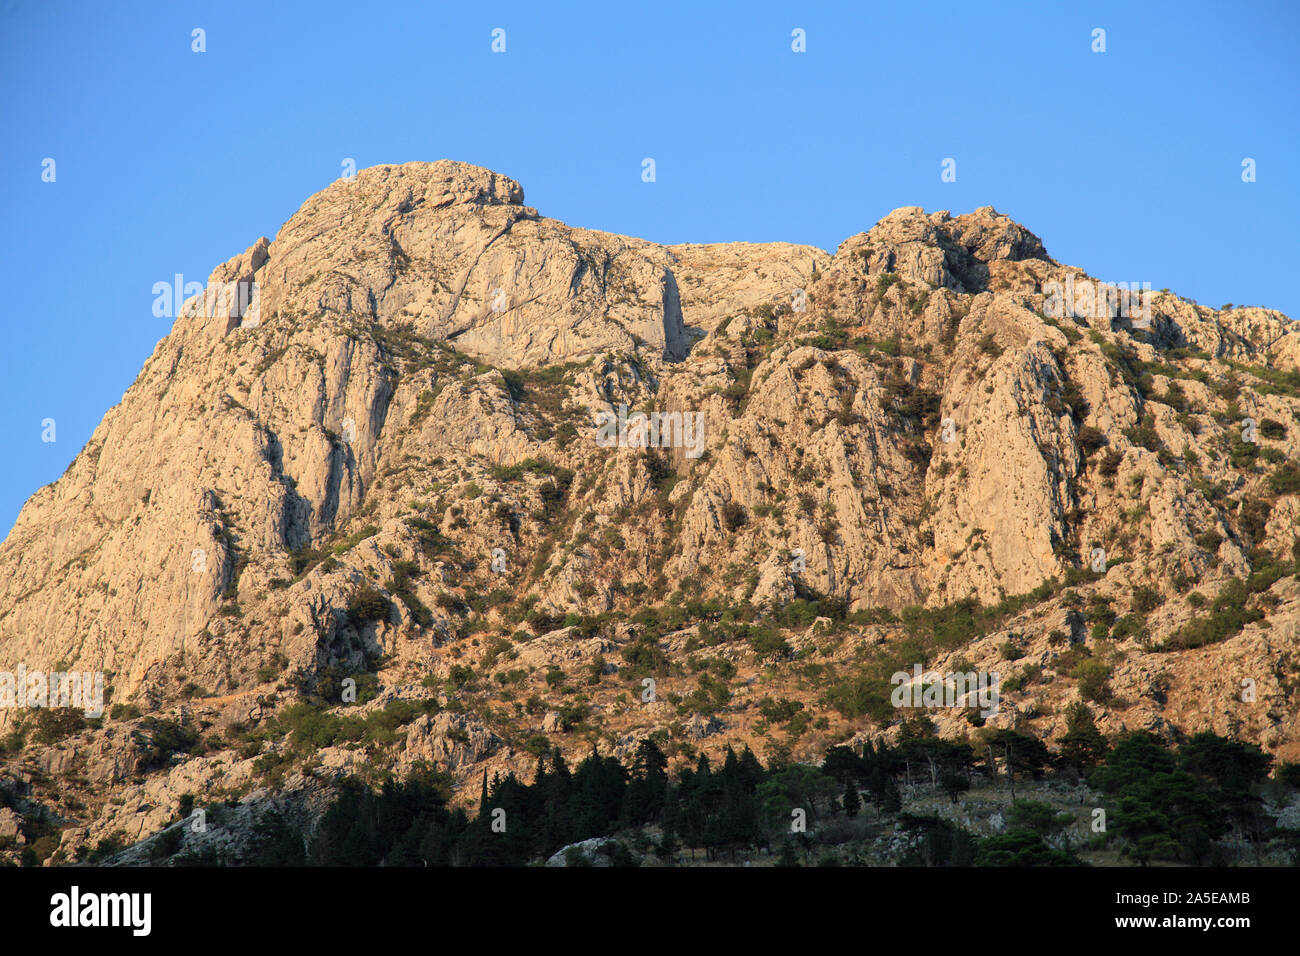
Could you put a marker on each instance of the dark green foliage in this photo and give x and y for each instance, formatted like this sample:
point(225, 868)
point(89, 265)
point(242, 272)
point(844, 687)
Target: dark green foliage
point(1272, 429)
point(1288, 773)
point(53, 724)
point(367, 604)
point(647, 788)
point(1146, 600)
point(1019, 753)
point(852, 801)
point(1093, 677)
point(1229, 765)
point(768, 642)
point(788, 857)
point(1020, 847)
point(660, 470)
point(1144, 433)
point(954, 784)
point(407, 824)
point(1272, 381)
point(1082, 744)
point(644, 658)
point(354, 539)
point(1253, 517)
point(167, 844)
point(845, 765)
point(928, 633)
point(159, 740)
point(278, 842)
point(1130, 625)
point(1162, 804)
point(1285, 480)
point(934, 841)
point(1037, 817)
point(779, 711)
point(430, 539)
point(401, 585)
point(1228, 615)
point(1174, 806)
point(309, 728)
point(302, 560)
point(112, 844)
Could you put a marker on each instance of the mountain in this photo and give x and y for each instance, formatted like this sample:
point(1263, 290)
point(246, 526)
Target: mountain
point(391, 468)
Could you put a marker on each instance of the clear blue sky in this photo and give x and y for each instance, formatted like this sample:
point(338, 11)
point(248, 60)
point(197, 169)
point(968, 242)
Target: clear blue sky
point(1127, 163)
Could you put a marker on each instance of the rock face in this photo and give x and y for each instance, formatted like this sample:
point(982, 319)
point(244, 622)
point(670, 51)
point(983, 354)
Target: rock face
point(589, 852)
point(718, 280)
point(390, 460)
point(451, 252)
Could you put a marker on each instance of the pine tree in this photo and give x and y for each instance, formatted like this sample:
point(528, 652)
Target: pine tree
point(1082, 744)
point(852, 801)
point(751, 770)
point(842, 764)
point(643, 800)
point(891, 800)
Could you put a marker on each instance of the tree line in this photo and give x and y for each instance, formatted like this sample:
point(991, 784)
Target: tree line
point(1161, 802)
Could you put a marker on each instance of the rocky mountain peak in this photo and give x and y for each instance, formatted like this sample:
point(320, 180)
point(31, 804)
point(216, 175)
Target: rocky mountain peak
point(448, 251)
point(943, 250)
point(393, 468)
